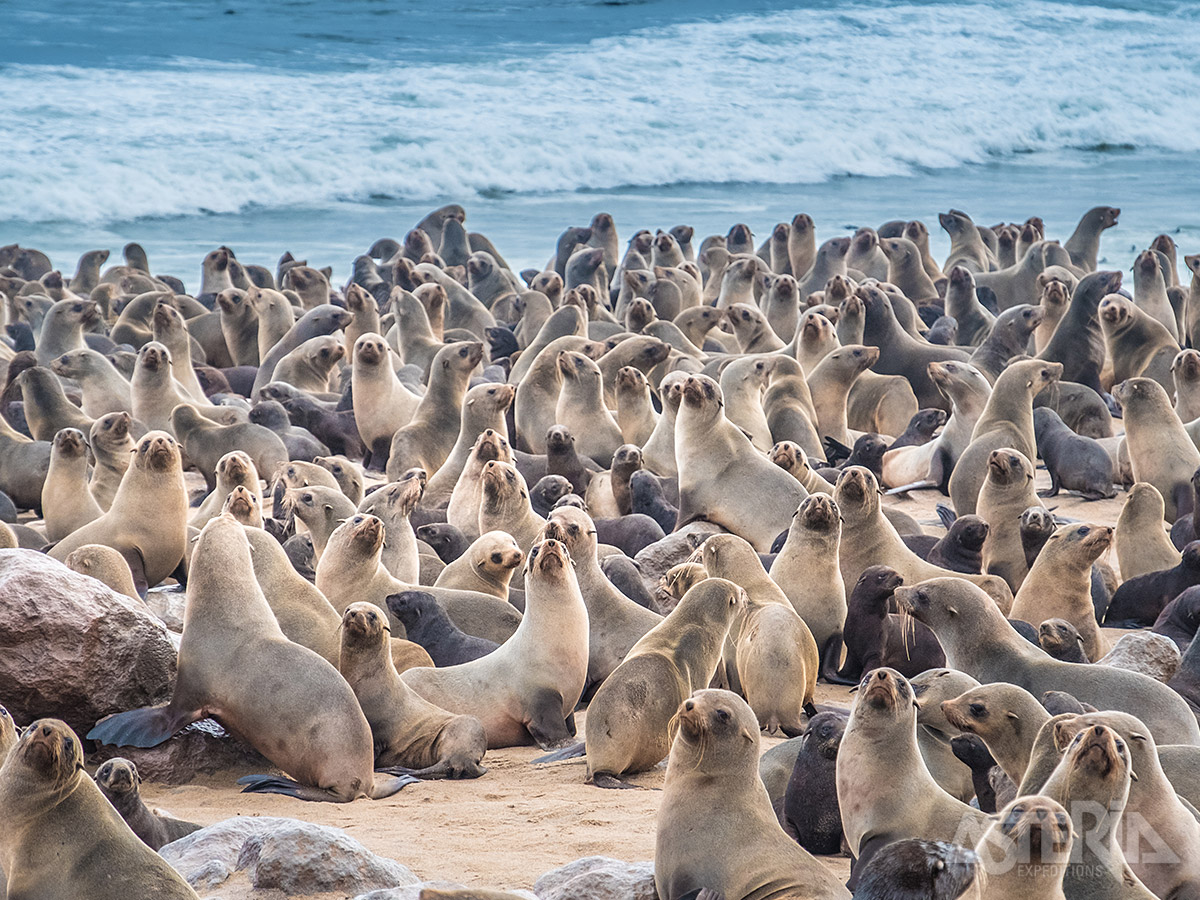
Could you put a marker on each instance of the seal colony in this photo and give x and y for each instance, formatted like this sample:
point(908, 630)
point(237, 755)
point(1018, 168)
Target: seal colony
point(643, 506)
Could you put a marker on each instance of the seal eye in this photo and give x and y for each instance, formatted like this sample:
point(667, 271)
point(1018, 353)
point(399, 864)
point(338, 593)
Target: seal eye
point(978, 710)
point(1084, 531)
point(496, 558)
point(723, 715)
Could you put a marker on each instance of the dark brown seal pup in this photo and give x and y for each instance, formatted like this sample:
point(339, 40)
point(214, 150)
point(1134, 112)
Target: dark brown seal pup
point(921, 428)
point(118, 780)
point(1062, 640)
point(810, 803)
point(919, 870)
point(1075, 462)
point(961, 548)
point(1141, 600)
point(1180, 618)
point(428, 625)
point(875, 637)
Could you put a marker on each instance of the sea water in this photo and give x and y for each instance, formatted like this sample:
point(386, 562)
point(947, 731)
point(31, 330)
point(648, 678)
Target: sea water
point(318, 126)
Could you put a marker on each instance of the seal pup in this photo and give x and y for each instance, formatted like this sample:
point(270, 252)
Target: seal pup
point(408, 731)
point(119, 782)
point(1141, 599)
point(881, 734)
point(428, 625)
point(258, 684)
point(62, 838)
point(722, 478)
point(153, 546)
point(628, 726)
point(525, 690)
point(875, 637)
point(1075, 462)
point(1060, 639)
point(713, 765)
point(978, 640)
point(104, 564)
point(809, 810)
point(925, 869)
point(1160, 450)
point(1006, 421)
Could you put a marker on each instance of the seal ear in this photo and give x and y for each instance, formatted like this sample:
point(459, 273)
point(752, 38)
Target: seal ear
point(952, 610)
point(1012, 715)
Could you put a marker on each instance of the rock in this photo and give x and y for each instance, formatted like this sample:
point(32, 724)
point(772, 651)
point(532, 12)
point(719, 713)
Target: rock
point(598, 878)
point(168, 605)
point(1144, 651)
point(287, 855)
point(203, 748)
point(413, 892)
point(655, 559)
point(72, 648)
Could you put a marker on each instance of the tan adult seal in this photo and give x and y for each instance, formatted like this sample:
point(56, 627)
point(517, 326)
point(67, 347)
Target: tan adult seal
point(1026, 851)
point(979, 641)
point(67, 504)
point(1096, 772)
point(1136, 343)
point(486, 566)
point(1007, 492)
point(408, 731)
point(722, 478)
point(111, 448)
point(61, 838)
point(1084, 243)
point(526, 690)
point(807, 568)
point(1060, 583)
point(615, 623)
point(713, 768)
point(1160, 451)
point(236, 666)
point(147, 523)
point(1007, 718)
point(1141, 543)
point(770, 656)
point(880, 744)
point(382, 404)
point(1006, 421)
point(628, 727)
point(869, 539)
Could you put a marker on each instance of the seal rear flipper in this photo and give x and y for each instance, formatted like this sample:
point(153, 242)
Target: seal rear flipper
point(280, 784)
point(611, 782)
point(146, 727)
point(546, 723)
point(868, 848)
point(946, 515)
point(686, 514)
point(387, 783)
point(572, 751)
point(450, 769)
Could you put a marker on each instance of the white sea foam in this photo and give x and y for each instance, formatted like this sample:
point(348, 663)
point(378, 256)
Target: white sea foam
point(789, 97)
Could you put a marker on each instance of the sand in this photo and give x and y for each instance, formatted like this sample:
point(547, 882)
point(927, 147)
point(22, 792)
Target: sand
point(519, 820)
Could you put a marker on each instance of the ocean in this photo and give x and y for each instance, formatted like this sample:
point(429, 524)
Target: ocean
point(317, 126)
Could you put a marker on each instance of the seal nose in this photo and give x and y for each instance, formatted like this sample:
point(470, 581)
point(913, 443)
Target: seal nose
point(689, 705)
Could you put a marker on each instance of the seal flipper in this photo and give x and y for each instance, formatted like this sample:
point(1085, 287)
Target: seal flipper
point(546, 722)
point(571, 751)
point(612, 782)
point(829, 662)
point(146, 727)
point(137, 568)
point(946, 515)
point(384, 785)
point(868, 848)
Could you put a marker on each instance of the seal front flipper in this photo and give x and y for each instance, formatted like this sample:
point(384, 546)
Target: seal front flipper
point(546, 722)
point(146, 727)
point(137, 568)
point(383, 785)
point(612, 782)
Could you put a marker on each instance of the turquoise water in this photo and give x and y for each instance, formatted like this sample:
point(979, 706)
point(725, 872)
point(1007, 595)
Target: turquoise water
point(318, 127)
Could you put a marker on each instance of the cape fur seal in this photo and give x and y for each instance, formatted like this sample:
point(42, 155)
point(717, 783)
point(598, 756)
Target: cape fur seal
point(62, 838)
point(258, 684)
point(118, 780)
point(713, 766)
point(629, 718)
